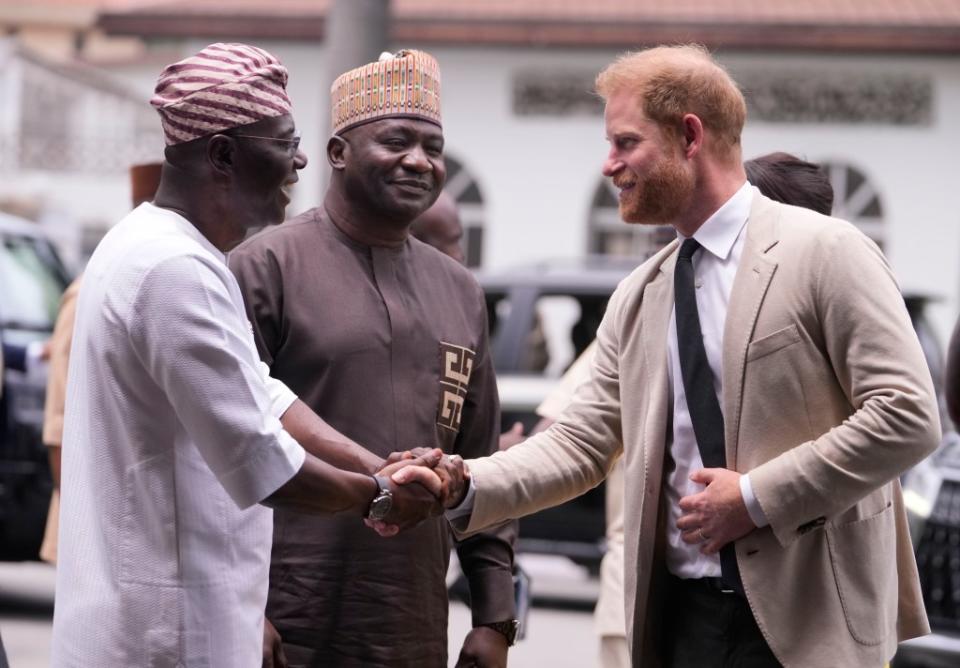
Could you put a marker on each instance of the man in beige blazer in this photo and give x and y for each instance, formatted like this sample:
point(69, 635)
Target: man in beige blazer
point(824, 393)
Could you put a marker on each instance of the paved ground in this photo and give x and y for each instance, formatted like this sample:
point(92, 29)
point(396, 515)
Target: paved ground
point(560, 638)
point(26, 612)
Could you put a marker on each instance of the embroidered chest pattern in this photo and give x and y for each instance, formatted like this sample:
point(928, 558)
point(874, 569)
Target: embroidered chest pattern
point(456, 365)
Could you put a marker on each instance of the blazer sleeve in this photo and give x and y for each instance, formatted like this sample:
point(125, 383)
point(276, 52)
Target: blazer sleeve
point(571, 457)
point(878, 363)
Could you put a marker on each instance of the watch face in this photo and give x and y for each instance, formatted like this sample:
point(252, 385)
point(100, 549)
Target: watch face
point(380, 507)
point(514, 627)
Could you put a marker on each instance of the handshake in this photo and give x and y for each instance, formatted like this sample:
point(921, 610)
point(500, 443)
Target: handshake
point(416, 484)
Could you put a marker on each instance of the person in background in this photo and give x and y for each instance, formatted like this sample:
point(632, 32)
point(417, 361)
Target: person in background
point(176, 440)
point(144, 180)
point(786, 178)
point(440, 227)
point(386, 339)
point(951, 376)
point(764, 382)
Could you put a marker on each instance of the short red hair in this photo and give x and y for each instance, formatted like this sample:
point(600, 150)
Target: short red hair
point(672, 81)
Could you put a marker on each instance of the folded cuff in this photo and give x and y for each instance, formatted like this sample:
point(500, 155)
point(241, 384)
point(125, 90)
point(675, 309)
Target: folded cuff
point(491, 596)
point(265, 471)
point(487, 563)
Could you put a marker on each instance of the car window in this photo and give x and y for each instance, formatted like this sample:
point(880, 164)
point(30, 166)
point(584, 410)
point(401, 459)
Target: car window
point(569, 324)
point(541, 333)
point(30, 283)
point(498, 310)
point(551, 334)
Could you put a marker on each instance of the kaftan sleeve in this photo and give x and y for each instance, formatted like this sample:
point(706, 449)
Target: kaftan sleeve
point(486, 557)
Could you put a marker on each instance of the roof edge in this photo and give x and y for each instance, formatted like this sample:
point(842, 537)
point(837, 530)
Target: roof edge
point(919, 39)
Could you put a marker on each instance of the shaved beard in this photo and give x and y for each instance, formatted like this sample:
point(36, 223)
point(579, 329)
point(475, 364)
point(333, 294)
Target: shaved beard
point(659, 197)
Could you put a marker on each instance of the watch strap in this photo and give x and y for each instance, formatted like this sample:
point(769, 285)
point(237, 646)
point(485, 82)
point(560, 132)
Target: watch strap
point(509, 629)
point(383, 484)
point(383, 494)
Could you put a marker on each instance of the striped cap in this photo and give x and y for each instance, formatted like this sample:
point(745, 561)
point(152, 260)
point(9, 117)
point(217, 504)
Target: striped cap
point(223, 86)
point(405, 84)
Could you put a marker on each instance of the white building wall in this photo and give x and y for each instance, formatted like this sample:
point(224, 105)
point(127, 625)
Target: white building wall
point(913, 168)
point(538, 175)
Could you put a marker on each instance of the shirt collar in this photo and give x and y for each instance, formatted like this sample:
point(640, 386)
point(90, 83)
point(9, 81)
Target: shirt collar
point(720, 231)
point(189, 229)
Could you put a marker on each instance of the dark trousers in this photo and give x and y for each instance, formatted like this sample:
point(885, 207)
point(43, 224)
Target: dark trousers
point(707, 628)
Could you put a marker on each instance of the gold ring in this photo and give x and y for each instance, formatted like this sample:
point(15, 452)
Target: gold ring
point(704, 537)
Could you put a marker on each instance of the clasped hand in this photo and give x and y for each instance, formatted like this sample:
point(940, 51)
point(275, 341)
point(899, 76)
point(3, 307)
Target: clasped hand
point(424, 482)
point(717, 515)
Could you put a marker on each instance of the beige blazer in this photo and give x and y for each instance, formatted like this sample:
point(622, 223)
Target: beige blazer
point(826, 398)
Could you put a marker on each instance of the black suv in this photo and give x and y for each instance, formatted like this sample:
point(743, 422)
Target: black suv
point(549, 312)
point(32, 278)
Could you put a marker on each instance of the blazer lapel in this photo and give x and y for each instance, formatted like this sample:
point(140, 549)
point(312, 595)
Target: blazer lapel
point(746, 298)
point(655, 312)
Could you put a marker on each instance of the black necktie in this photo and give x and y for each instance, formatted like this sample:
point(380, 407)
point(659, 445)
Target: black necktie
point(698, 387)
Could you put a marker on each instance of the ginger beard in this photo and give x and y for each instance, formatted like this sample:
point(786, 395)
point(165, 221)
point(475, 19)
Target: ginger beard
point(658, 197)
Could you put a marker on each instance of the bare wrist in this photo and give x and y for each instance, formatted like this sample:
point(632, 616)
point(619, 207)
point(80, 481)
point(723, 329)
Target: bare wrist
point(373, 464)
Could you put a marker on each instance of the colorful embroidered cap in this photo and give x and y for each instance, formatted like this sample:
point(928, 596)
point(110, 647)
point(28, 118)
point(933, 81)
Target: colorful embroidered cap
point(405, 84)
point(223, 86)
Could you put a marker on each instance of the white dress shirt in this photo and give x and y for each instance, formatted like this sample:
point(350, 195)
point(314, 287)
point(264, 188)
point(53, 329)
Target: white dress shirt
point(715, 267)
point(171, 439)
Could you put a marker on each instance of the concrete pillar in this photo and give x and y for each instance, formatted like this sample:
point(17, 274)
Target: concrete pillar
point(356, 33)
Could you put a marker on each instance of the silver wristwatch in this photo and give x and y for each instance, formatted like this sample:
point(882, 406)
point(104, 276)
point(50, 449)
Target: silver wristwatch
point(383, 501)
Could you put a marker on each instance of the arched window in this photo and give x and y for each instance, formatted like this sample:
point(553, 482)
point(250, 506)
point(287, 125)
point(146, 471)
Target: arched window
point(609, 235)
point(464, 189)
point(856, 199)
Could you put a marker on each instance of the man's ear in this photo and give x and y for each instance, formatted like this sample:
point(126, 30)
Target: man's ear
point(692, 138)
point(336, 150)
point(222, 154)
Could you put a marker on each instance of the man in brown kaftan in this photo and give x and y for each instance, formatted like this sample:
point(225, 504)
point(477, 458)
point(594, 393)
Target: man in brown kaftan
point(386, 338)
